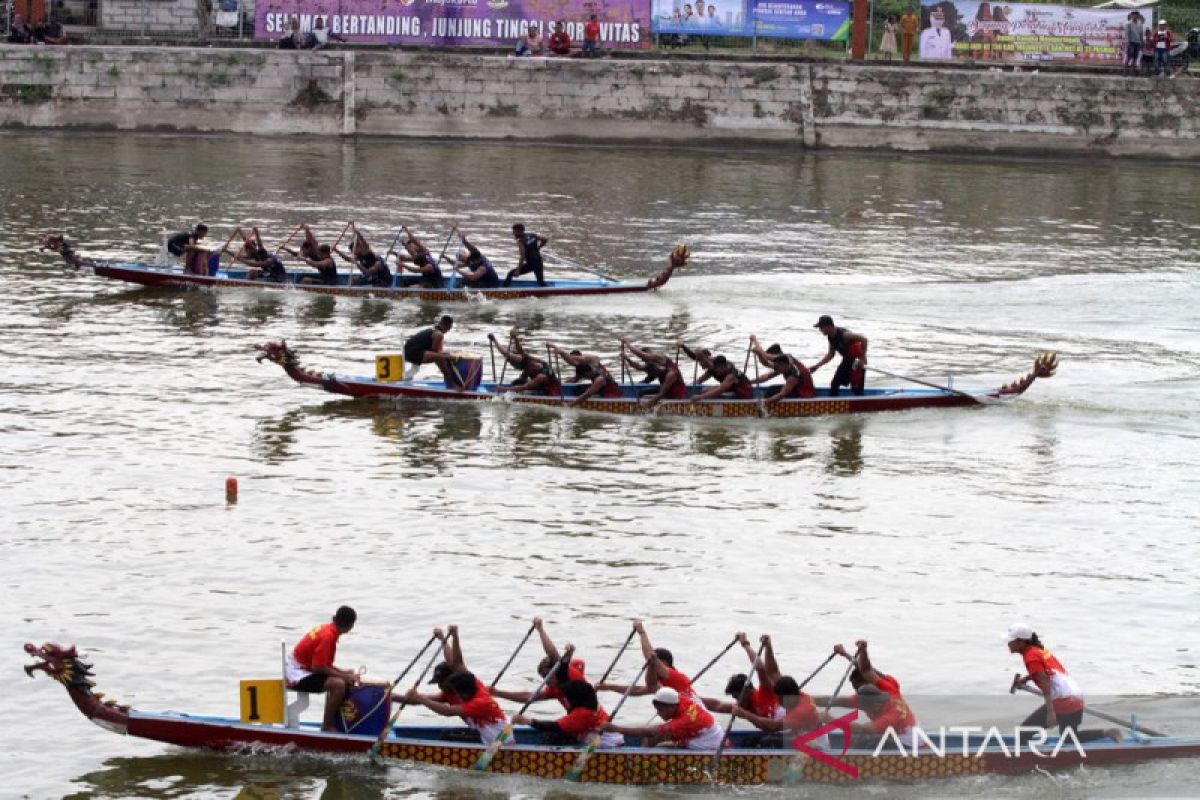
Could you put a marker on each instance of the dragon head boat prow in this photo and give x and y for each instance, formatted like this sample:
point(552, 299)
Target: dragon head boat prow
point(1044, 366)
point(63, 664)
point(679, 258)
point(279, 353)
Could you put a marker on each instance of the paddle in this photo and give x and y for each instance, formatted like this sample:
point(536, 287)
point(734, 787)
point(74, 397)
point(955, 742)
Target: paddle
point(841, 683)
point(446, 246)
point(593, 742)
point(716, 658)
point(288, 240)
point(575, 264)
point(485, 760)
point(1087, 710)
point(383, 734)
point(617, 657)
point(737, 701)
point(922, 383)
point(513, 657)
point(392, 246)
point(817, 671)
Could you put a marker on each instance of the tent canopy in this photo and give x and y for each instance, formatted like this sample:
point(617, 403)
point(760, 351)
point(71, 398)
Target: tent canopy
point(1128, 4)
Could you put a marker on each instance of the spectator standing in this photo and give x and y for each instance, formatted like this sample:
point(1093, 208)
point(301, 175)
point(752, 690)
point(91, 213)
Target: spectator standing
point(531, 44)
point(1162, 49)
point(887, 44)
point(560, 40)
point(591, 37)
point(908, 33)
point(51, 32)
point(1135, 33)
point(20, 32)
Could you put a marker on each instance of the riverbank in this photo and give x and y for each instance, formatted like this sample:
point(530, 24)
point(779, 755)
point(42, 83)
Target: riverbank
point(447, 95)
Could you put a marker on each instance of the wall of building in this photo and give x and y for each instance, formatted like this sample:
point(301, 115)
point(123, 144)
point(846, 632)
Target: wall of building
point(810, 105)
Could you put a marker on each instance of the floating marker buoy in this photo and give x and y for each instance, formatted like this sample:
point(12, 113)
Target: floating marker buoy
point(231, 490)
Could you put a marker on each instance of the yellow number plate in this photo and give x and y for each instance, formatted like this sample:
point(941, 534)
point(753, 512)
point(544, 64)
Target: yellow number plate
point(262, 701)
point(389, 368)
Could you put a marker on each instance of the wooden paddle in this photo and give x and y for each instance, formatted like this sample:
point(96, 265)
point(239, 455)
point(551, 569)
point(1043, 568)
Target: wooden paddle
point(737, 701)
point(288, 240)
point(513, 657)
point(1087, 710)
point(593, 742)
point(576, 265)
point(841, 683)
point(485, 760)
point(383, 734)
point(920, 382)
point(716, 658)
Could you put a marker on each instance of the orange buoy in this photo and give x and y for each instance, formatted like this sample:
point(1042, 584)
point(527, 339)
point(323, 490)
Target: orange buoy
point(231, 489)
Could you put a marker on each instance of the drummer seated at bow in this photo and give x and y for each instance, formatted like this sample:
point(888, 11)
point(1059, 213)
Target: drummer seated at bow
point(570, 671)
point(417, 259)
point(760, 699)
point(797, 380)
point(475, 268)
point(660, 671)
point(373, 270)
point(461, 693)
point(427, 346)
point(535, 377)
point(310, 668)
point(322, 261)
point(671, 385)
point(877, 695)
point(730, 380)
point(686, 724)
point(589, 368)
point(186, 243)
point(584, 718)
point(263, 265)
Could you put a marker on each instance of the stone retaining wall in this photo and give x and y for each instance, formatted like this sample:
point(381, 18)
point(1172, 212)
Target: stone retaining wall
point(382, 93)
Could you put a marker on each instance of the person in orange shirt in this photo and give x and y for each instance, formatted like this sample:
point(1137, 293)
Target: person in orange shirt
point(686, 724)
point(310, 666)
point(876, 694)
point(660, 671)
point(799, 715)
point(908, 33)
point(1063, 699)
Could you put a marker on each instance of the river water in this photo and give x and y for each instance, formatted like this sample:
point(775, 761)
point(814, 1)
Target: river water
point(123, 410)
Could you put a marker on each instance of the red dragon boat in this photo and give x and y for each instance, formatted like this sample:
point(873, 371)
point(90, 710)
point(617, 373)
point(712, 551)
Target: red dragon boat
point(890, 399)
point(528, 754)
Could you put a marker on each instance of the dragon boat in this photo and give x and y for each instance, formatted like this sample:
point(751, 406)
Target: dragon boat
point(630, 401)
point(454, 290)
point(744, 761)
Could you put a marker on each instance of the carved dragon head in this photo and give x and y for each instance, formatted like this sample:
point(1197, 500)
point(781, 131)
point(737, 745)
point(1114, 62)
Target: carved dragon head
point(1044, 366)
point(62, 663)
point(278, 353)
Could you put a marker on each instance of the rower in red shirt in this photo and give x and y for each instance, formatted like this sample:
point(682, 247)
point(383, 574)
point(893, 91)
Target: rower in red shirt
point(584, 717)
point(761, 699)
point(686, 724)
point(310, 666)
point(876, 694)
point(660, 671)
point(462, 694)
point(1063, 699)
point(572, 671)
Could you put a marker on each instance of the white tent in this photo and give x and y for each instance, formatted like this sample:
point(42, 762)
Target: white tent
point(1128, 4)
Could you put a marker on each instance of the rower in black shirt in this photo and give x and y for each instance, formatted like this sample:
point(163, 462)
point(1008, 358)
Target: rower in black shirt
point(322, 261)
point(529, 251)
point(590, 368)
point(536, 374)
point(373, 270)
point(730, 379)
point(178, 244)
point(427, 347)
point(428, 274)
point(261, 262)
point(476, 270)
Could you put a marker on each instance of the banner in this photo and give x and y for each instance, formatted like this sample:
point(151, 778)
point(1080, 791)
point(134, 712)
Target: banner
point(1020, 32)
point(801, 19)
point(623, 23)
point(790, 19)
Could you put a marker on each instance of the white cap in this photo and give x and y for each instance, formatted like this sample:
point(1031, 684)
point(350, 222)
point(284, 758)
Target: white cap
point(666, 697)
point(1019, 630)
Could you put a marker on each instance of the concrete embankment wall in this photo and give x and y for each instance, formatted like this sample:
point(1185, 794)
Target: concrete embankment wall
point(812, 105)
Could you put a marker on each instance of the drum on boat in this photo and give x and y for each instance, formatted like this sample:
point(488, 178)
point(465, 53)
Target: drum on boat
point(466, 371)
point(366, 710)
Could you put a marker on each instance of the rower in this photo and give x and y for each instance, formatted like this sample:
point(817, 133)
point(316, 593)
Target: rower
point(58, 243)
point(373, 270)
point(852, 347)
point(322, 262)
point(261, 263)
point(426, 347)
point(876, 694)
point(310, 247)
point(462, 694)
point(686, 724)
point(797, 380)
point(310, 666)
point(589, 367)
point(417, 259)
point(762, 700)
point(529, 255)
point(177, 245)
point(536, 375)
point(653, 372)
point(585, 716)
point(1063, 702)
point(566, 673)
point(660, 671)
point(778, 705)
point(730, 379)
point(671, 383)
point(702, 356)
point(474, 267)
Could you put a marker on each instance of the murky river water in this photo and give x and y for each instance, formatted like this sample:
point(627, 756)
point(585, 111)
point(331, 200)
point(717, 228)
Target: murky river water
point(123, 410)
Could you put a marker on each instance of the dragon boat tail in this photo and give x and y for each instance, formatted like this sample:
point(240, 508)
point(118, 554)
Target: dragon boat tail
point(745, 761)
point(630, 402)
